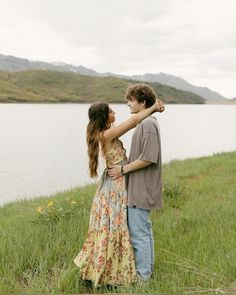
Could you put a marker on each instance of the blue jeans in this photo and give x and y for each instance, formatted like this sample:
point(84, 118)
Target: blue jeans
point(140, 228)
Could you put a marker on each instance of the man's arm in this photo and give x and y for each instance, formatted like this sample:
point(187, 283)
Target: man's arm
point(116, 170)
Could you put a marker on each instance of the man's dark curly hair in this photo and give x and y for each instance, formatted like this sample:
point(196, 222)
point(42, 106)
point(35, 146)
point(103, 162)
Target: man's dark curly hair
point(141, 92)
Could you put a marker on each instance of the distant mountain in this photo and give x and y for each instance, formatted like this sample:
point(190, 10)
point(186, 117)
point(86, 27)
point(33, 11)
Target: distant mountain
point(178, 83)
point(10, 63)
point(14, 64)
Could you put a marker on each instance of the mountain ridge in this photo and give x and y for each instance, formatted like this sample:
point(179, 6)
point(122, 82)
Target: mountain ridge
point(178, 83)
point(9, 63)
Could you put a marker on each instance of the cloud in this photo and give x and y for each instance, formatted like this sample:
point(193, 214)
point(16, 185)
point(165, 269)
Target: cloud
point(193, 39)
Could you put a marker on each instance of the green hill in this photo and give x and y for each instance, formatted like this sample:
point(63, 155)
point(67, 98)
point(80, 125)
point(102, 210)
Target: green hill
point(52, 86)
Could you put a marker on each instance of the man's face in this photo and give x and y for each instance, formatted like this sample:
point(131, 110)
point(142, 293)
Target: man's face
point(135, 106)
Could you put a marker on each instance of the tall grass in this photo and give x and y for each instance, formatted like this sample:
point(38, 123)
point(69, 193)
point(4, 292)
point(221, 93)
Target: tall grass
point(194, 235)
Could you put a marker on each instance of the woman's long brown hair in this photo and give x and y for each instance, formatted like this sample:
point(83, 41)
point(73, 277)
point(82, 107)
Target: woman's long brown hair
point(98, 122)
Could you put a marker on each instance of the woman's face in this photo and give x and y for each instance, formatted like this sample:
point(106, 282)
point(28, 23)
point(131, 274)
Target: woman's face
point(111, 116)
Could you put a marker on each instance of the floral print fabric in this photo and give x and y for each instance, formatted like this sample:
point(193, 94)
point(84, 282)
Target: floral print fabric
point(116, 153)
point(107, 254)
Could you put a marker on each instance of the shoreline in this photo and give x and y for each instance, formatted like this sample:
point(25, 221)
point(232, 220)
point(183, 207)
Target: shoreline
point(85, 186)
point(221, 102)
point(206, 102)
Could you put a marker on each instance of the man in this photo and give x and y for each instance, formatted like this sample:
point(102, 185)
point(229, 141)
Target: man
point(144, 171)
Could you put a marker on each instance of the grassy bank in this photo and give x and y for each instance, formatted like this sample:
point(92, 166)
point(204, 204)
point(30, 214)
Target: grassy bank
point(194, 235)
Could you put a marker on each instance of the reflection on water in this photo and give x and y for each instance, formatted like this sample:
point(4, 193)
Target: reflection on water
point(43, 149)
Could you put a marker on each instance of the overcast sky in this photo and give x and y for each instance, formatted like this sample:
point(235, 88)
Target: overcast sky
point(193, 39)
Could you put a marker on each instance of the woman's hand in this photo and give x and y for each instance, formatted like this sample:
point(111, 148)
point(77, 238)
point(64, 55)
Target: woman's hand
point(159, 106)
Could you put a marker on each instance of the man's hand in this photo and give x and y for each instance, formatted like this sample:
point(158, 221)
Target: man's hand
point(115, 171)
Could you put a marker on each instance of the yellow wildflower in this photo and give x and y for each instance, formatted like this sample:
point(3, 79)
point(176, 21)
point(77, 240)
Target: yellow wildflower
point(39, 209)
point(73, 202)
point(50, 203)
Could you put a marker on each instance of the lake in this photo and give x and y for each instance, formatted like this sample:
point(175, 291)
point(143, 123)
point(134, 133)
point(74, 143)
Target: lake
point(43, 148)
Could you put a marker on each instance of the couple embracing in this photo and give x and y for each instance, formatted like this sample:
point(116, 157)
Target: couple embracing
point(119, 246)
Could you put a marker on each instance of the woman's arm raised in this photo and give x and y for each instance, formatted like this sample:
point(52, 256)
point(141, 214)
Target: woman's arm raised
point(127, 125)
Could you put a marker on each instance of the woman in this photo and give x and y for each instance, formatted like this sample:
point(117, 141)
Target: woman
point(107, 255)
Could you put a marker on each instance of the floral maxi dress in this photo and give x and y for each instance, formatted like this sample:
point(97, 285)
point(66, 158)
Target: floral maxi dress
point(107, 254)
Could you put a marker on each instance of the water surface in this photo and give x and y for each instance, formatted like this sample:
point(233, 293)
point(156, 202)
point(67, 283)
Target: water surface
point(43, 149)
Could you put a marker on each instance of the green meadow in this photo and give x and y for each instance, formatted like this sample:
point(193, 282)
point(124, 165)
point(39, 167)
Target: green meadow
point(195, 235)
